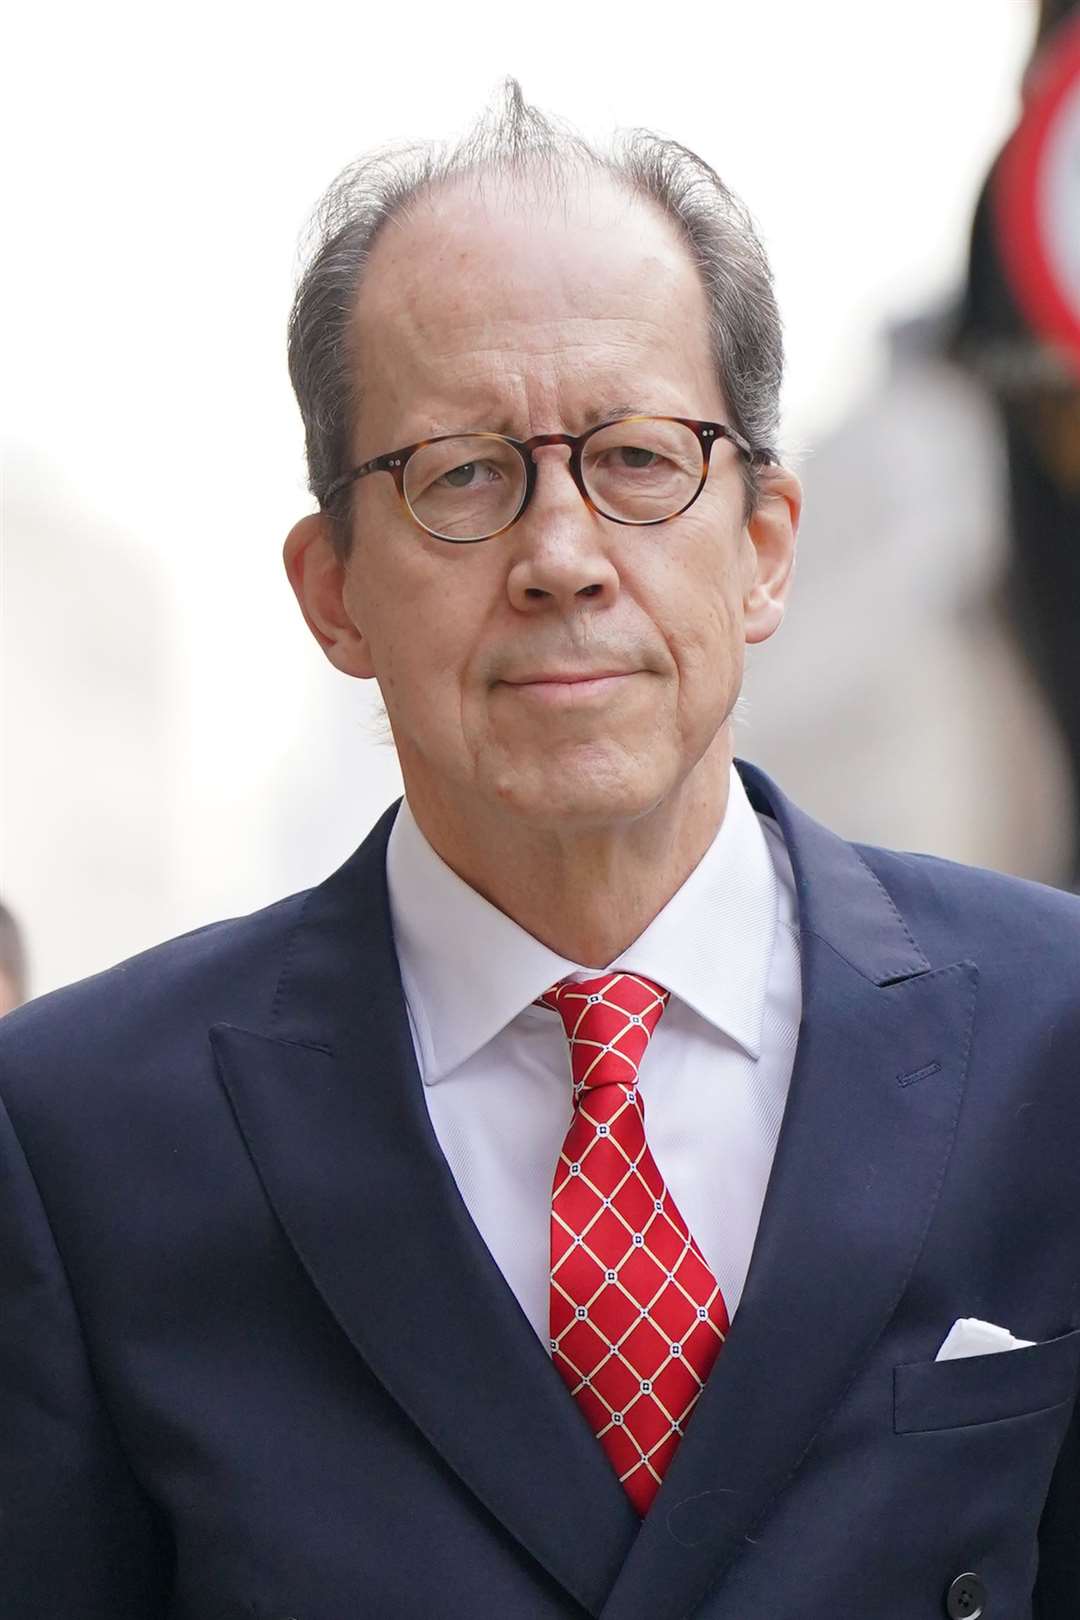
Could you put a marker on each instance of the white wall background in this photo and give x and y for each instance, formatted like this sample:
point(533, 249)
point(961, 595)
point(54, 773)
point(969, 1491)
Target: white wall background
point(164, 161)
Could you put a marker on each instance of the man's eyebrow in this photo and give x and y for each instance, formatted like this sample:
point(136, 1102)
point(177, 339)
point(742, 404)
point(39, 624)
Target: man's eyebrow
point(610, 413)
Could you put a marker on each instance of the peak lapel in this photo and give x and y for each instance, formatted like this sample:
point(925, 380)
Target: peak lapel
point(858, 1166)
point(330, 1104)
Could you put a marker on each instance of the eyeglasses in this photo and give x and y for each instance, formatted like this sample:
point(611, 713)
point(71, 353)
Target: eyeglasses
point(465, 487)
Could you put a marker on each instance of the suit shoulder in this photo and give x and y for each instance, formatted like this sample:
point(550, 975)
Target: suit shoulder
point(974, 911)
point(223, 970)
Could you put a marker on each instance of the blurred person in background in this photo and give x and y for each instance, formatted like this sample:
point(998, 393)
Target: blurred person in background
point(947, 506)
point(1036, 393)
point(12, 962)
point(611, 1192)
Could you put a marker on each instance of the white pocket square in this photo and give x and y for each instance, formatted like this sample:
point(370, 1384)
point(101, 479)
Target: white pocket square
point(970, 1337)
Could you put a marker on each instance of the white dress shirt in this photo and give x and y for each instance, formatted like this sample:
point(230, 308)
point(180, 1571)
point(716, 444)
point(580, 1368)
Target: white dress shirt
point(714, 1079)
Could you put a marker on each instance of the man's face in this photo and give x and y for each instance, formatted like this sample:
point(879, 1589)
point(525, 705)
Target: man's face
point(508, 314)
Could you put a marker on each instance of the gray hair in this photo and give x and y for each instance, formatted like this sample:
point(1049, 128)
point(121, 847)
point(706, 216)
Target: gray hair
point(512, 139)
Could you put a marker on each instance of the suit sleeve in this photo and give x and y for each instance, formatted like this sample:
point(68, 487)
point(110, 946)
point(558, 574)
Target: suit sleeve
point(78, 1537)
point(1057, 1586)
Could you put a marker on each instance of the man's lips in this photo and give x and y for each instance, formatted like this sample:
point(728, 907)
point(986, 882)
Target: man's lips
point(565, 688)
point(563, 678)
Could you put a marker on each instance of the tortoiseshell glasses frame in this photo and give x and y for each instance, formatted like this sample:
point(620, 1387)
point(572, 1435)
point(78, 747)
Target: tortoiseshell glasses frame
point(395, 462)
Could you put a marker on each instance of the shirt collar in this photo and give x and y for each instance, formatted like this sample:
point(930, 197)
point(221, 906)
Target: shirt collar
point(468, 969)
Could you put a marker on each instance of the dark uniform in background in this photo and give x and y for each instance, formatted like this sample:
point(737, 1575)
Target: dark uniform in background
point(1037, 393)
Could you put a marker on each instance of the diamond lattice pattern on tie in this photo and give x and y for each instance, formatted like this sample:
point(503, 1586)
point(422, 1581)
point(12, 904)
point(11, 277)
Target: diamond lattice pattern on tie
point(637, 1317)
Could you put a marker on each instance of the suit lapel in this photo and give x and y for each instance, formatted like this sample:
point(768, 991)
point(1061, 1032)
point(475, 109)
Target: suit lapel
point(861, 1155)
point(330, 1103)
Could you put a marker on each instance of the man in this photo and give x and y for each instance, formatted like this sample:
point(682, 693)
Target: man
point(515, 1224)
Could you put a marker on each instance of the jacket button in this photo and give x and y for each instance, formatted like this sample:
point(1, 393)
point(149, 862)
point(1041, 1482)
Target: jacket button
point(966, 1598)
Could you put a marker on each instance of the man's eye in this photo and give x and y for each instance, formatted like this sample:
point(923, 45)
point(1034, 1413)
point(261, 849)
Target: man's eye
point(632, 455)
point(468, 473)
point(459, 477)
point(636, 458)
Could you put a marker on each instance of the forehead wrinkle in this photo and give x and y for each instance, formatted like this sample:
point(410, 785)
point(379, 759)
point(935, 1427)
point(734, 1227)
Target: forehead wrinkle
point(551, 391)
point(615, 341)
point(491, 421)
point(573, 370)
point(503, 405)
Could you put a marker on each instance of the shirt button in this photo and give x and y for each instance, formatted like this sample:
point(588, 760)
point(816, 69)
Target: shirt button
point(966, 1598)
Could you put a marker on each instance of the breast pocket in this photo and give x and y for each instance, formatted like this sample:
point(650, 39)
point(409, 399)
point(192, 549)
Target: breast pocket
point(984, 1389)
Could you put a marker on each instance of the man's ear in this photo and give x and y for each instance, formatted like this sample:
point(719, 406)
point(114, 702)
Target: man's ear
point(317, 575)
point(771, 530)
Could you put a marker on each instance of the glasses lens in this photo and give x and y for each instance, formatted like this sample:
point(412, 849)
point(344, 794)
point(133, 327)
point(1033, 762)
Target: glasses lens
point(642, 471)
point(465, 488)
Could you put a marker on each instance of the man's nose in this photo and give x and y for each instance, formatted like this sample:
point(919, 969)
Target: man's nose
point(561, 551)
point(554, 480)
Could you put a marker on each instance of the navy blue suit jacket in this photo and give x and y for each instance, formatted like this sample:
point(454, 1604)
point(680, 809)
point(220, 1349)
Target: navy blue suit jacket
point(258, 1363)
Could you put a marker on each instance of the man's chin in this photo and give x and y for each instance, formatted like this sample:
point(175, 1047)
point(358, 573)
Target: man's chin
point(550, 798)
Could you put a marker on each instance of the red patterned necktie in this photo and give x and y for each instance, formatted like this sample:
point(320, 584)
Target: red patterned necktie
point(637, 1317)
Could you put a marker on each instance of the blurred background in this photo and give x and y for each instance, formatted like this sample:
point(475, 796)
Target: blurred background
point(175, 748)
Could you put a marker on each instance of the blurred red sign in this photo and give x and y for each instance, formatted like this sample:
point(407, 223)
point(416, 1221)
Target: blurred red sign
point(1038, 195)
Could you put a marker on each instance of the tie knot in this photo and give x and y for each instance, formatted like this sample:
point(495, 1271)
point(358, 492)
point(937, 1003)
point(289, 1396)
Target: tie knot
point(609, 1022)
